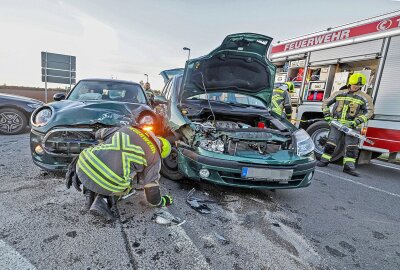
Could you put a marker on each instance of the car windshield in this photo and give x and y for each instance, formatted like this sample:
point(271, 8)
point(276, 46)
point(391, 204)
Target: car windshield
point(107, 91)
point(231, 98)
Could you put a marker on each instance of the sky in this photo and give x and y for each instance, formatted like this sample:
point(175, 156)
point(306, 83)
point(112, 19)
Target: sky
point(125, 39)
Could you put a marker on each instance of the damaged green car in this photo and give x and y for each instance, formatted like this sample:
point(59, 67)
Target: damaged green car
point(62, 129)
point(220, 122)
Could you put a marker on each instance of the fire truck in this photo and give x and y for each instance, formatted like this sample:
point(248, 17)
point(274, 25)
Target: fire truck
point(320, 63)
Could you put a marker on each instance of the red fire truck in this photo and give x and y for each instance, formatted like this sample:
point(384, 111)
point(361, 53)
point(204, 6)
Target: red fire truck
point(321, 63)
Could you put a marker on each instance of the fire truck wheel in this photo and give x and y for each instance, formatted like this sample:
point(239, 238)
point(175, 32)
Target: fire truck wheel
point(375, 155)
point(319, 134)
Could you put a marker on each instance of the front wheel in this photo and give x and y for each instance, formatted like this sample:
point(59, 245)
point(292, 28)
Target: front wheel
point(319, 132)
point(169, 168)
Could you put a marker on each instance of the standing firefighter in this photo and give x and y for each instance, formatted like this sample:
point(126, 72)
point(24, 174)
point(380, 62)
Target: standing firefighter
point(281, 100)
point(127, 156)
point(351, 107)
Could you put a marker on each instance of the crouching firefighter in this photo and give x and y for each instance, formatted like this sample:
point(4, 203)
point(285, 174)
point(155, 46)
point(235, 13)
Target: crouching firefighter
point(351, 107)
point(281, 100)
point(128, 155)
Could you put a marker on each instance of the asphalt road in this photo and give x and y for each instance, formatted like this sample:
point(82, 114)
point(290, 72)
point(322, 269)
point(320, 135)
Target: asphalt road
point(339, 222)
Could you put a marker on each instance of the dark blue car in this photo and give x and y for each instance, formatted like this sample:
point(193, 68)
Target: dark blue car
point(15, 112)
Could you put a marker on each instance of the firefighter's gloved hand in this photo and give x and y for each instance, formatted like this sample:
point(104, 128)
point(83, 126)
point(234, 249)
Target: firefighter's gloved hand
point(351, 124)
point(71, 178)
point(166, 201)
point(328, 118)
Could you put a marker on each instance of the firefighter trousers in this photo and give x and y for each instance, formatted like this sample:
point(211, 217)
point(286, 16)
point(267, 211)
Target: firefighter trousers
point(350, 143)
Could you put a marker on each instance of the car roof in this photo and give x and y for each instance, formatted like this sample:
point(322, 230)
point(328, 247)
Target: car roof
point(109, 80)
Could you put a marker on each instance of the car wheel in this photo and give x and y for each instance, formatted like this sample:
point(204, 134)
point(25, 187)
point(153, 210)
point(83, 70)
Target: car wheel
point(169, 168)
point(12, 121)
point(319, 134)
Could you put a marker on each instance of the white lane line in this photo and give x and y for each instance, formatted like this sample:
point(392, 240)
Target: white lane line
point(186, 244)
point(384, 165)
point(11, 259)
point(361, 184)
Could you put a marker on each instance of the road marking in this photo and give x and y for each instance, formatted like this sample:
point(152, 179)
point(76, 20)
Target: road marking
point(361, 184)
point(384, 165)
point(11, 259)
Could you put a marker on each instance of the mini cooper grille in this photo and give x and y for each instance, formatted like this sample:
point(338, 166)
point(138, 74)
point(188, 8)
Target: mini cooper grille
point(68, 141)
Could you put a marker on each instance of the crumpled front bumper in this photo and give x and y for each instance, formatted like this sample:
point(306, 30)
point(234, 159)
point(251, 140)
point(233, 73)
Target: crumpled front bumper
point(229, 173)
point(60, 155)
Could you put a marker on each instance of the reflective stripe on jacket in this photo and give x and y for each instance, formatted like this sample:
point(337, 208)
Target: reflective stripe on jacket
point(110, 167)
point(349, 106)
point(281, 100)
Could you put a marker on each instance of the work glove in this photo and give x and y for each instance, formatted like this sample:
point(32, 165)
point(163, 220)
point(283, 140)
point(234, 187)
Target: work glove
point(351, 124)
point(166, 201)
point(71, 178)
point(328, 118)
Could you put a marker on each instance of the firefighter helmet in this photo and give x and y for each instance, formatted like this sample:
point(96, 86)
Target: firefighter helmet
point(165, 147)
point(357, 79)
point(290, 86)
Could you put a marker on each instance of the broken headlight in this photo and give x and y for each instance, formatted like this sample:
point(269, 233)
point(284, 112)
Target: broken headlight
point(42, 117)
point(304, 144)
point(212, 145)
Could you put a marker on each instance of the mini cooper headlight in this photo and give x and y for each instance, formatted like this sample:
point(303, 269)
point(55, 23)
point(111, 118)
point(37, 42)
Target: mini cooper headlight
point(42, 117)
point(212, 145)
point(304, 144)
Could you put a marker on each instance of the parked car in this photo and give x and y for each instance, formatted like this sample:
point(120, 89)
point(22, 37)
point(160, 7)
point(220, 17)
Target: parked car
point(15, 112)
point(62, 129)
point(219, 117)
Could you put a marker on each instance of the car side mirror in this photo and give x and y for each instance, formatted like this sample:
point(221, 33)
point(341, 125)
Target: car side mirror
point(59, 96)
point(160, 100)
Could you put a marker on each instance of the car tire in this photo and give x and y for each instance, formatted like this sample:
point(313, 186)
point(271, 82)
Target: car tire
point(319, 134)
point(169, 166)
point(12, 121)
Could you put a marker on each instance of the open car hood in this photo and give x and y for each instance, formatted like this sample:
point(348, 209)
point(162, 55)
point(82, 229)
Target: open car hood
point(169, 73)
point(239, 65)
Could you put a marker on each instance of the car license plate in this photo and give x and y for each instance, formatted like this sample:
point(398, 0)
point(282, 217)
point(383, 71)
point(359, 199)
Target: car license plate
point(267, 174)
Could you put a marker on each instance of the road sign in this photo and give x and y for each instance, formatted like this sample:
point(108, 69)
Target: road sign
point(61, 80)
point(58, 68)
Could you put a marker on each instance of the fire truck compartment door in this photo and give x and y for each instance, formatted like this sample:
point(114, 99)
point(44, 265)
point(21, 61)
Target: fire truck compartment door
point(355, 52)
point(388, 95)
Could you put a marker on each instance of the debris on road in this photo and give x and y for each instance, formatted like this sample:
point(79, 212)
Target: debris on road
point(198, 204)
point(223, 239)
point(133, 192)
point(166, 218)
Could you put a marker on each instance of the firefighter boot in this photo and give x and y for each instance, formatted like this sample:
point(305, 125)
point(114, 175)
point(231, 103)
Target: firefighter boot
point(350, 168)
point(101, 208)
point(89, 198)
point(327, 155)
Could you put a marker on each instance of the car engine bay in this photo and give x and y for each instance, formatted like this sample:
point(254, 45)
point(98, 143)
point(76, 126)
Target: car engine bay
point(235, 135)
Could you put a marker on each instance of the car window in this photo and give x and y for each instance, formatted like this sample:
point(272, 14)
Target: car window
point(229, 97)
point(107, 91)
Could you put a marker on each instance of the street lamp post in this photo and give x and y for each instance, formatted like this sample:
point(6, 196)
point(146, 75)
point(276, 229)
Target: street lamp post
point(147, 77)
point(187, 49)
